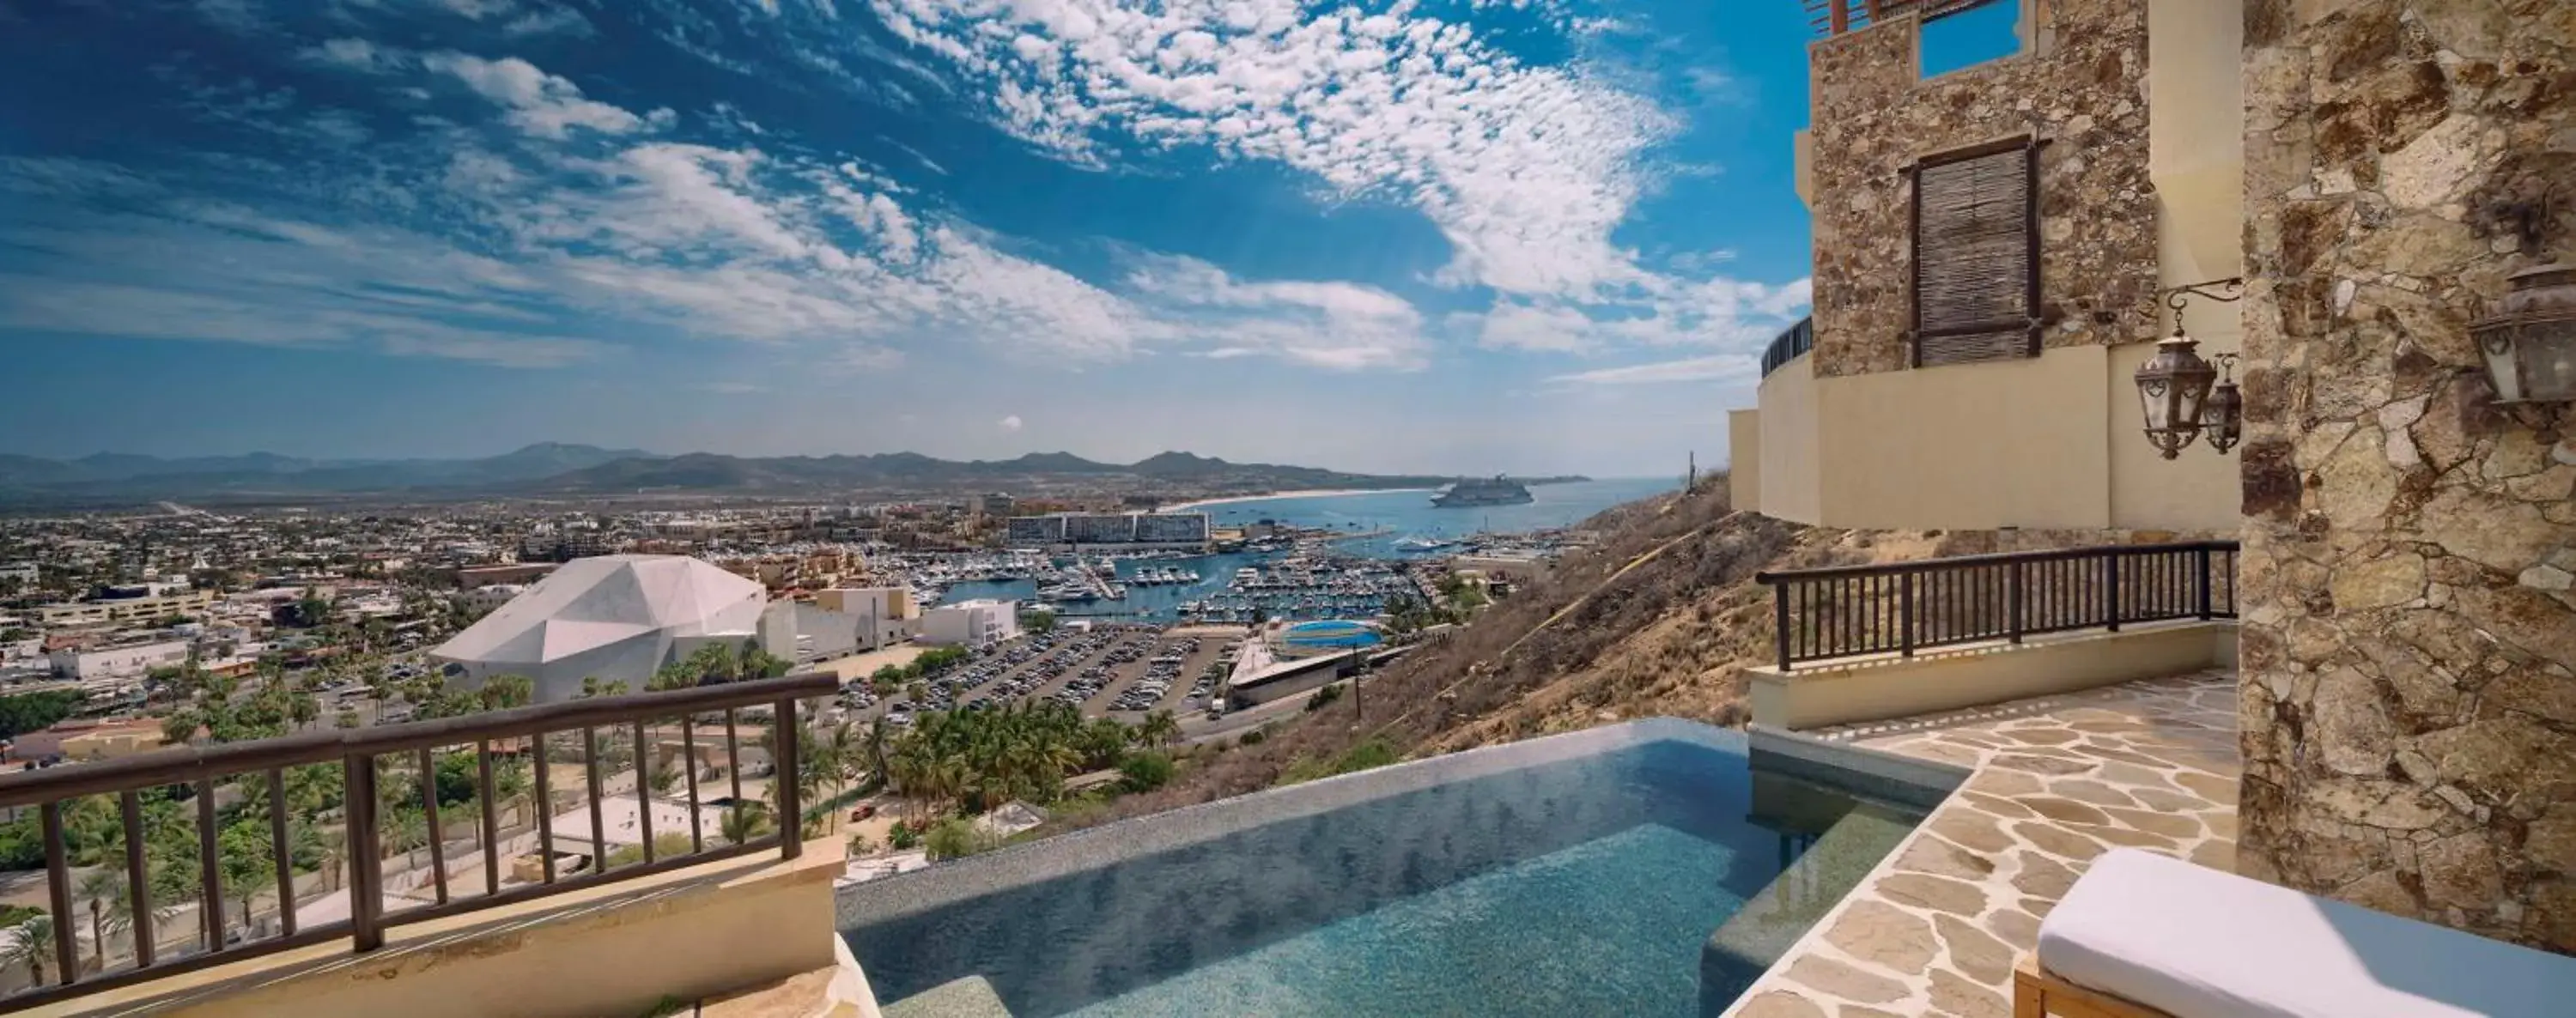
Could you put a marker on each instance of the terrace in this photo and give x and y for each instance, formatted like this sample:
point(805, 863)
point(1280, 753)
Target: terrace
point(2056, 780)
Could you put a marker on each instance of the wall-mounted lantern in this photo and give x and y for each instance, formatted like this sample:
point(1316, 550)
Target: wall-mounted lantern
point(2529, 339)
point(2181, 393)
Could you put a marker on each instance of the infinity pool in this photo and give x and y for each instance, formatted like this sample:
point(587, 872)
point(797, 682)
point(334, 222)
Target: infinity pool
point(1577, 875)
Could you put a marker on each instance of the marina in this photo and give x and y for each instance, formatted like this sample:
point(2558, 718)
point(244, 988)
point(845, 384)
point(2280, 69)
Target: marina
point(1318, 557)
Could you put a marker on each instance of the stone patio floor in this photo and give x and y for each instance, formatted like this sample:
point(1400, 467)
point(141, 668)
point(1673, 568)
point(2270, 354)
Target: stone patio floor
point(2058, 780)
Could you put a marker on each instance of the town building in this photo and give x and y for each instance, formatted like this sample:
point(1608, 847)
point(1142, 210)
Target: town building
point(1035, 531)
point(970, 623)
point(995, 504)
point(138, 608)
point(117, 665)
point(470, 577)
point(880, 616)
point(1141, 530)
point(612, 617)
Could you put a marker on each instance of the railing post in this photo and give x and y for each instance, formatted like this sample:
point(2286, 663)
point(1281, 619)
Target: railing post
point(2111, 589)
point(2200, 579)
point(366, 870)
point(1905, 613)
point(791, 808)
point(2013, 593)
point(1780, 621)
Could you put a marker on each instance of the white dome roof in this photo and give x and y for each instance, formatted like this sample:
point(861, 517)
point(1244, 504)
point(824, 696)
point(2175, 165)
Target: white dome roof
point(610, 616)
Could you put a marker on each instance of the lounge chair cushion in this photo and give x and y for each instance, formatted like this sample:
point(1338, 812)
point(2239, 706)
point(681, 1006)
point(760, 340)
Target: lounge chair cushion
point(2198, 943)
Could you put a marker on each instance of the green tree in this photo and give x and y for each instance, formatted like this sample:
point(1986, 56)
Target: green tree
point(1160, 729)
point(1039, 621)
point(246, 864)
point(743, 821)
point(1145, 772)
point(33, 945)
point(956, 838)
point(32, 712)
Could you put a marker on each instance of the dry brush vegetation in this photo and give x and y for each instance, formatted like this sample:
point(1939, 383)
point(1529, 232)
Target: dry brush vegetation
point(1658, 617)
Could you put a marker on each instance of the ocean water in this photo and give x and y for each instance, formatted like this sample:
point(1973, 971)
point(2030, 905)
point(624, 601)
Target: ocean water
point(1411, 514)
point(1582, 885)
point(1401, 514)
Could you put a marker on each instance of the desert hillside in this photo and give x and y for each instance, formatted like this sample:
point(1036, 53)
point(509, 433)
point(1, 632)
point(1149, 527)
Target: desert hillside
point(1658, 618)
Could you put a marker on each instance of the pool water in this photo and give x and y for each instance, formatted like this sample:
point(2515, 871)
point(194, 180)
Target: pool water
point(1588, 884)
point(1332, 633)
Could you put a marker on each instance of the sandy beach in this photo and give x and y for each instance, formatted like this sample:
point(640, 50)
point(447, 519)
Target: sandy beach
point(1315, 493)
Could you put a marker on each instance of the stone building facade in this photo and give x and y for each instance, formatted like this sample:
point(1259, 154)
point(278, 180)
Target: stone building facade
point(2079, 85)
point(2408, 704)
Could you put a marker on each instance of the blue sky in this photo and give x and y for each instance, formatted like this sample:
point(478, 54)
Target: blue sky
point(1493, 235)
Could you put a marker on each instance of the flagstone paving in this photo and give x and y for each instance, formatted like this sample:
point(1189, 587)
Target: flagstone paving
point(2058, 780)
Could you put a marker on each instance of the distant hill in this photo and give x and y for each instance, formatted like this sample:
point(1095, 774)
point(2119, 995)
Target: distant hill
point(557, 469)
point(915, 472)
point(113, 478)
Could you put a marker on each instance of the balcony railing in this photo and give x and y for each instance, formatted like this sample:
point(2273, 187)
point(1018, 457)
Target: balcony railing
point(252, 778)
point(1902, 607)
point(1835, 17)
point(1789, 345)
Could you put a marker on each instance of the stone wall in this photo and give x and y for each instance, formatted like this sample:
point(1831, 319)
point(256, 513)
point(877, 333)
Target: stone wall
point(2084, 91)
point(2409, 713)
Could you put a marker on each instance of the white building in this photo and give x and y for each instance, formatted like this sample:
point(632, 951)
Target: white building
point(616, 617)
point(879, 616)
point(971, 623)
point(118, 665)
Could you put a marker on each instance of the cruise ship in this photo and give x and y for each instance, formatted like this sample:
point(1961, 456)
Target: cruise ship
point(1499, 491)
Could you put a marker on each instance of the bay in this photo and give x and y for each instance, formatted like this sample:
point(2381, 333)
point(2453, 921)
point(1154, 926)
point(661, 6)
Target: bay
point(1397, 514)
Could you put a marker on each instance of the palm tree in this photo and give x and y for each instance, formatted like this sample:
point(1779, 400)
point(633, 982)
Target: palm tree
point(874, 747)
point(1160, 729)
point(743, 821)
point(33, 944)
point(100, 888)
point(408, 829)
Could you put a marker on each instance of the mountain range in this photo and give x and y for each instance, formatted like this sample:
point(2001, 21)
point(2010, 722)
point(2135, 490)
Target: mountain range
point(551, 469)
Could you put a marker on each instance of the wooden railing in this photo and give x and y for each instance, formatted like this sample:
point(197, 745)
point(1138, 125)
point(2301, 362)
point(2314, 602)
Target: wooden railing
point(1903, 607)
point(253, 776)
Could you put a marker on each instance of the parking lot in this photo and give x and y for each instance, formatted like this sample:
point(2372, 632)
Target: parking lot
point(1120, 670)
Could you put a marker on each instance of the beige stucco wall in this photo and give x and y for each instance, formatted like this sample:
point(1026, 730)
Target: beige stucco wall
point(2009, 443)
point(1744, 459)
point(2050, 442)
point(1788, 465)
point(1954, 679)
point(692, 933)
point(2196, 159)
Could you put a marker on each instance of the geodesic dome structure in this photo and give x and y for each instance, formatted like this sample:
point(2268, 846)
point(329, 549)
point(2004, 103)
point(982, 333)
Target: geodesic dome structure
point(618, 617)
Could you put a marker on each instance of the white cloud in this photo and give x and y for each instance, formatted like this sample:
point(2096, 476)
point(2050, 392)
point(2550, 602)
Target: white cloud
point(1011, 423)
point(1719, 368)
point(541, 104)
point(1526, 169)
point(354, 54)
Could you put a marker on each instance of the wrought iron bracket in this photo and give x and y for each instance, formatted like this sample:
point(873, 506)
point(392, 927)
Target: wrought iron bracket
point(2225, 291)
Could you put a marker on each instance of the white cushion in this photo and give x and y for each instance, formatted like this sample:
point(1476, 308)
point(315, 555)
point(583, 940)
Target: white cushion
point(2198, 943)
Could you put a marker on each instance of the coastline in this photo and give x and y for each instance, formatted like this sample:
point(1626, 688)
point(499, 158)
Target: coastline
point(1307, 493)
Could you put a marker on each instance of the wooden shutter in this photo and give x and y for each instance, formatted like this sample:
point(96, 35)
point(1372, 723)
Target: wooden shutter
point(1976, 251)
